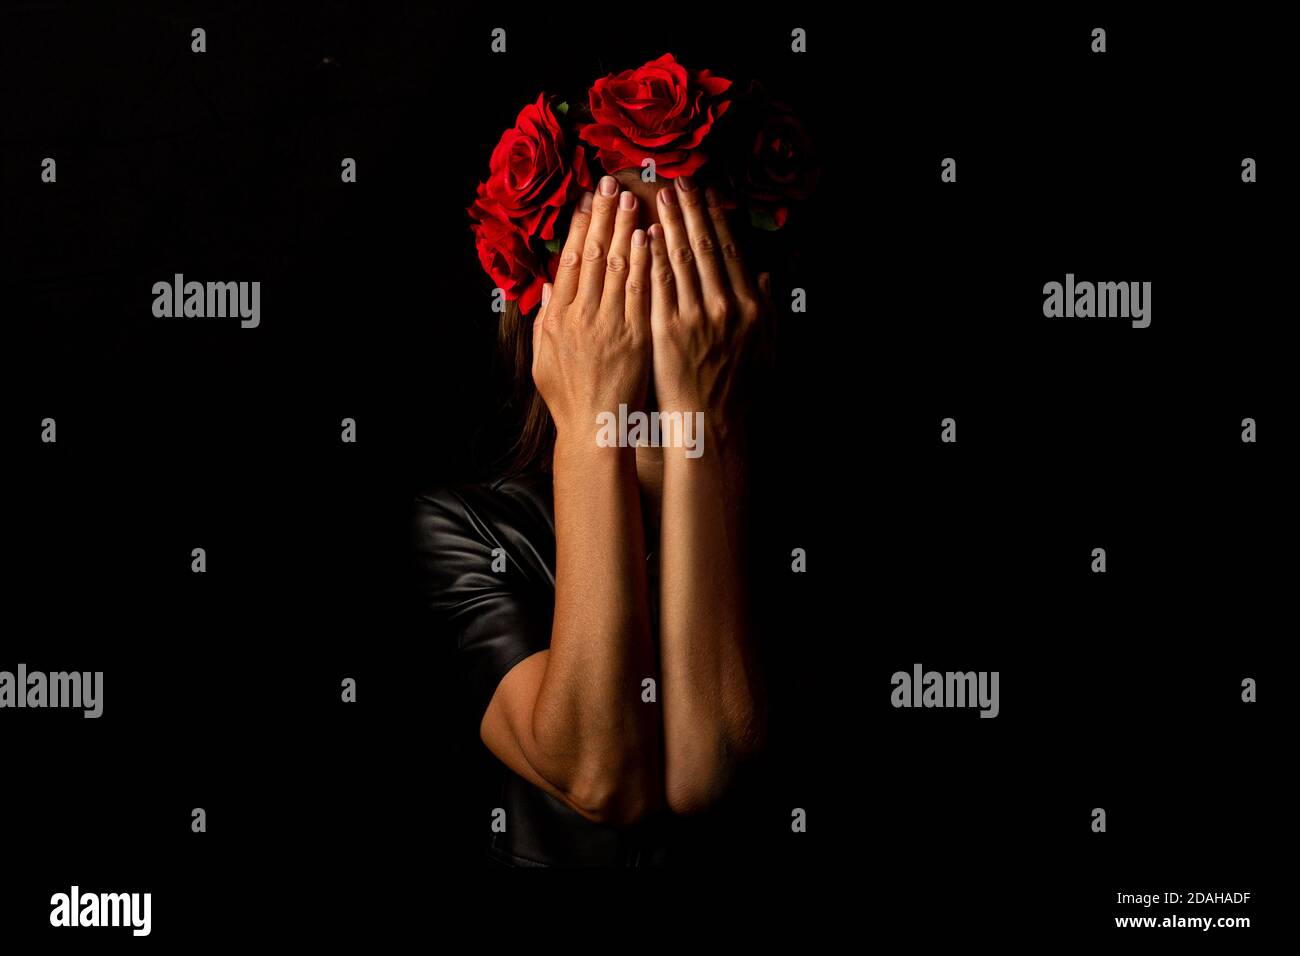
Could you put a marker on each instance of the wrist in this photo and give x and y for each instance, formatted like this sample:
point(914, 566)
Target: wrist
point(579, 445)
point(701, 439)
point(682, 400)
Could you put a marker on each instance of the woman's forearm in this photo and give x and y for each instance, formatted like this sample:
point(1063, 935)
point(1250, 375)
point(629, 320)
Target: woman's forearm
point(712, 692)
point(594, 735)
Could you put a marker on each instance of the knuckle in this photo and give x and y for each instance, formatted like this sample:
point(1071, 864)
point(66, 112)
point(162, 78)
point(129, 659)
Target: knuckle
point(730, 251)
point(748, 310)
point(592, 251)
point(663, 276)
point(720, 307)
point(569, 259)
point(635, 286)
point(682, 255)
point(616, 263)
point(705, 244)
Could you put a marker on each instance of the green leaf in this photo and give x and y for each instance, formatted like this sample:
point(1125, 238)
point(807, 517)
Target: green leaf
point(763, 220)
point(563, 109)
point(552, 245)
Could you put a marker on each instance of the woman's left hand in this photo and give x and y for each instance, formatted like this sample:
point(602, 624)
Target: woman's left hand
point(706, 312)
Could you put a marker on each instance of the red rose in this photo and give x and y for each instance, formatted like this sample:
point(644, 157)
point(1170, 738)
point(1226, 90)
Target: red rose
point(775, 164)
point(534, 172)
point(506, 257)
point(661, 110)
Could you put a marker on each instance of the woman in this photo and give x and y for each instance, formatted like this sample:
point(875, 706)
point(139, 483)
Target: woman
point(599, 594)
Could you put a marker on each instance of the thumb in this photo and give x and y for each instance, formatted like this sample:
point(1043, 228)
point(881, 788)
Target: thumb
point(538, 319)
point(538, 324)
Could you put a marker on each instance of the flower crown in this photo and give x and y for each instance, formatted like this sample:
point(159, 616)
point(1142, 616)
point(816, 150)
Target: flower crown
point(660, 119)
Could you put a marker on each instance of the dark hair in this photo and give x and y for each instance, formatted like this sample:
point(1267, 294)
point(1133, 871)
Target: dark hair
point(532, 449)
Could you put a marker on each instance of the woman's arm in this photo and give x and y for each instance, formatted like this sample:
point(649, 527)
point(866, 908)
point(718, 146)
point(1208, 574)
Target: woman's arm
point(703, 314)
point(571, 719)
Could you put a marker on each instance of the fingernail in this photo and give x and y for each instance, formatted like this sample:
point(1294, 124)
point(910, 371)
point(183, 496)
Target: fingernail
point(667, 198)
point(608, 186)
point(584, 204)
point(656, 231)
point(627, 201)
point(686, 183)
point(638, 238)
point(546, 293)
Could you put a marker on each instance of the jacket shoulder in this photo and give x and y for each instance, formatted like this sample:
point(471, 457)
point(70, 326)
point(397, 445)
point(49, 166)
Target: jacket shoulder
point(456, 527)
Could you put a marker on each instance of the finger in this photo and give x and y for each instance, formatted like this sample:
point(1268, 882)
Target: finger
point(663, 281)
point(617, 260)
point(637, 306)
point(592, 279)
point(680, 256)
point(728, 248)
point(704, 245)
point(570, 267)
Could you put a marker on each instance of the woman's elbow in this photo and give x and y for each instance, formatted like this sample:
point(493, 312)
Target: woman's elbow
point(694, 784)
point(615, 799)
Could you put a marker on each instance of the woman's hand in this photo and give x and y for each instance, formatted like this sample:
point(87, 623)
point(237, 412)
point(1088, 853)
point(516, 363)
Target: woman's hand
point(705, 311)
point(591, 337)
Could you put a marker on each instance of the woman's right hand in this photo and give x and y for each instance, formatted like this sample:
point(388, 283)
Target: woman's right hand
point(591, 337)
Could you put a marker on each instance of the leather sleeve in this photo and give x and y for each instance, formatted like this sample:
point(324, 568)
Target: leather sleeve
point(497, 618)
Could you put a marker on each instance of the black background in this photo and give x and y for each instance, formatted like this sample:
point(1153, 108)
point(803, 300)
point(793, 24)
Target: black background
point(328, 820)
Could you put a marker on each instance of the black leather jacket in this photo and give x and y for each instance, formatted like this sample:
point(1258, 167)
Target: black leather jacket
point(498, 619)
